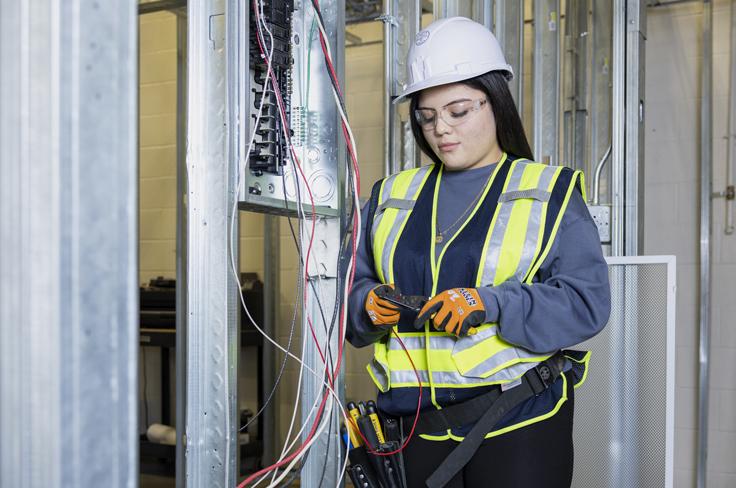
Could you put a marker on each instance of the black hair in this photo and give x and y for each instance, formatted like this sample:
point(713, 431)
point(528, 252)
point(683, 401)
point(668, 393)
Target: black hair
point(509, 129)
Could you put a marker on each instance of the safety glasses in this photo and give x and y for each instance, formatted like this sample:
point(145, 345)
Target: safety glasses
point(452, 114)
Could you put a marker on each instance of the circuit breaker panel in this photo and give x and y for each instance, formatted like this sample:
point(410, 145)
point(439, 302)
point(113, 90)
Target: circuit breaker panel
point(296, 137)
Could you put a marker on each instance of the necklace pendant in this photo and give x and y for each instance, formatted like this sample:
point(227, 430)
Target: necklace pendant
point(438, 238)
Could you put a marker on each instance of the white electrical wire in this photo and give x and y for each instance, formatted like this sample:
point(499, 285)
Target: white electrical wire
point(261, 24)
point(326, 418)
point(242, 165)
point(235, 240)
point(241, 170)
point(334, 92)
point(299, 210)
point(356, 193)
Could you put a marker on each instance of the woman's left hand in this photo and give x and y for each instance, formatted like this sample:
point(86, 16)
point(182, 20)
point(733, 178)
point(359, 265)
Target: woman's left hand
point(456, 311)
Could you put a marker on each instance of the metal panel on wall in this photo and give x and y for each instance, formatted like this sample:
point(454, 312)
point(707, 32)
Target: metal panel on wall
point(624, 412)
point(311, 113)
point(68, 227)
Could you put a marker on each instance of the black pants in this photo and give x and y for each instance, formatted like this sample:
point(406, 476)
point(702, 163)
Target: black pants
point(539, 455)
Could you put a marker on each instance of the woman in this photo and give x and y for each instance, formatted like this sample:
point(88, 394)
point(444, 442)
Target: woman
point(510, 263)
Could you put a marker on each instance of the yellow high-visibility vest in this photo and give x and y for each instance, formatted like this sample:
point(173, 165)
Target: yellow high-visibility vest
point(512, 250)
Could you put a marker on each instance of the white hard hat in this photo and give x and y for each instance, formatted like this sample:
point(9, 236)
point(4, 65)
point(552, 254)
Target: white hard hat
point(450, 50)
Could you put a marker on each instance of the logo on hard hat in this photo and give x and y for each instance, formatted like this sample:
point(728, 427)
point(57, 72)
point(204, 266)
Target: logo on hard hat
point(422, 37)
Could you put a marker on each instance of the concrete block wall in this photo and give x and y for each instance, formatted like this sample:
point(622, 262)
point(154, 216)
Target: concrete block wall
point(157, 140)
point(157, 173)
point(672, 226)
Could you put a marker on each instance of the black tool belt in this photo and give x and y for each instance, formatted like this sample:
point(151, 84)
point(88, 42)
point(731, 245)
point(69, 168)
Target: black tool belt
point(484, 411)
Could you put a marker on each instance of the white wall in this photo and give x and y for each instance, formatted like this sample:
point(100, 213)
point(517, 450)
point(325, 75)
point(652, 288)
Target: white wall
point(672, 179)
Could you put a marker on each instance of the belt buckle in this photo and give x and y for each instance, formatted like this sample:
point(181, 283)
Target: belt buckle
point(543, 375)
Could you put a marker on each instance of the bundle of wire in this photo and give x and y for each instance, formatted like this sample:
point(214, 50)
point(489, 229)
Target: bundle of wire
point(322, 408)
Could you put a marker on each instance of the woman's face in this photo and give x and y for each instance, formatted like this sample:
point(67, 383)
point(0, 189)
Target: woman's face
point(470, 144)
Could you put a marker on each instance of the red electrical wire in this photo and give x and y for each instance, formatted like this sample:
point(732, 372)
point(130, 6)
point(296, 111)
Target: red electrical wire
point(296, 159)
point(416, 416)
point(354, 161)
point(356, 171)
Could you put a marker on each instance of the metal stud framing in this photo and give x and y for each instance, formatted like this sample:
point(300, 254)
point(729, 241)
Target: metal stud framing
point(706, 230)
point(509, 29)
point(600, 91)
point(181, 243)
point(68, 227)
point(546, 80)
point(212, 300)
point(634, 126)
point(401, 23)
point(323, 464)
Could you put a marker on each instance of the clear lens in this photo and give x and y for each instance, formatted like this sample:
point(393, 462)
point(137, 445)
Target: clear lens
point(425, 118)
point(452, 114)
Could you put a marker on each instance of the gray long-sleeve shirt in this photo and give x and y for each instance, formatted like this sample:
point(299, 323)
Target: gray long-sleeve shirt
point(571, 289)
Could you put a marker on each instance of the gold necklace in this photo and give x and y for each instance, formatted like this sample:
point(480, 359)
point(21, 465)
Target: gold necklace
point(440, 236)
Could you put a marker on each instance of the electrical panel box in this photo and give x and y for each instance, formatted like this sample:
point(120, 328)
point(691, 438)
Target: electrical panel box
point(602, 217)
point(276, 177)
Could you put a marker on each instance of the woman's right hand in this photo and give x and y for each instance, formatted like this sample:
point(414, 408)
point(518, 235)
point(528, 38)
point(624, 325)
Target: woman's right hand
point(382, 312)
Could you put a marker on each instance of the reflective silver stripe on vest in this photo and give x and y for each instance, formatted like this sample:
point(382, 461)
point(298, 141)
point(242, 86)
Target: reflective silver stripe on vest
point(453, 346)
point(401, 217)
point(396, 203)
point(436, 342)
point(385, 195)
point(379, 373)
point(499, 229)
point(535, 193)
point(409, 377)
point(535, 222)
point(502, 357)
point(472, 340)
point(506, 375)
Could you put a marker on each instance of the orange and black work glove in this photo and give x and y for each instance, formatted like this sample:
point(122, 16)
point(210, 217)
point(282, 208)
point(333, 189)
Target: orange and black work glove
point(380, 311)
point(456, 311)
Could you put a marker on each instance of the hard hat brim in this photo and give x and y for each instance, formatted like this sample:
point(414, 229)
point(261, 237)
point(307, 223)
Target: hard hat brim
point(445, 80)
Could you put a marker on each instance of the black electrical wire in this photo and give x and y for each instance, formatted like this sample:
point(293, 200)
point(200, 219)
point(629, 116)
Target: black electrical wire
point(329, 361)
point(277, 381)
point(339, 303)
point(335, 86)
point(343, 248)
point(328, 331)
